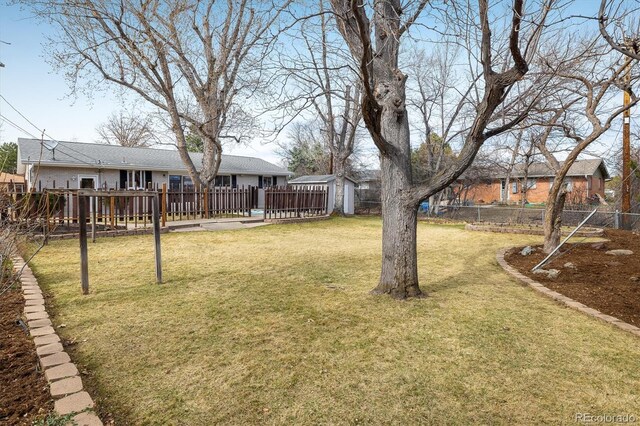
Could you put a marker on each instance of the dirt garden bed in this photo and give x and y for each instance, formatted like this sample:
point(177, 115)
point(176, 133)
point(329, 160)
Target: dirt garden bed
point(24, 393)
point(606, 282)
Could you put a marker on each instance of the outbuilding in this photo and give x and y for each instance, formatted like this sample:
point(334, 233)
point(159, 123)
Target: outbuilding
point(329, 182)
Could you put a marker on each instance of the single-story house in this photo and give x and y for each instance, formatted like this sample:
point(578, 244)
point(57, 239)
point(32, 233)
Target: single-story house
point(329, 182)
point(585, 183)
point(11, 182)
point(60, 165)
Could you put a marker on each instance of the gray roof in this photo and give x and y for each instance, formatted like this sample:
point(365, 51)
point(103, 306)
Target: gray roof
point(316, 179)
point(75, 154)
point(579, 168)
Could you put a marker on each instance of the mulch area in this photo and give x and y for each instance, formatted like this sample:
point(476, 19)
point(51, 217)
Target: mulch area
point(610, 284)
point(24, 394)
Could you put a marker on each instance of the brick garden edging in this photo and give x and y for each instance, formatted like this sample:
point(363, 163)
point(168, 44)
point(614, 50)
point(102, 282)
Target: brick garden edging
point(562, 298)
point(65, 383)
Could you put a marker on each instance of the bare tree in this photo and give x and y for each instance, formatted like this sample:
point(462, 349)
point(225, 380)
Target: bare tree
point(620, 26)
point(374, 36)
point(582, 108)
point(325, 84)
point(198, 61)
point(127, 130)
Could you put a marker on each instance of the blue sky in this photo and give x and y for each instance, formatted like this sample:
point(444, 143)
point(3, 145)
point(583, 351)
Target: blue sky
point(30, 85)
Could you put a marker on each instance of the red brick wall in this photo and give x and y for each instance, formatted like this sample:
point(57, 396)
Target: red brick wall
point(483, 193)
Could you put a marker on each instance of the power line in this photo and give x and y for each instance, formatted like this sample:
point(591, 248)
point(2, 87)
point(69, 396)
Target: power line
point(17, 127)
point(35, 137)
point(94, 160)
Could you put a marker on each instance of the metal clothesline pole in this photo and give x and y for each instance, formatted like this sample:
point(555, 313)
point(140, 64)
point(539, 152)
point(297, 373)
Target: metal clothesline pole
point(565, 240)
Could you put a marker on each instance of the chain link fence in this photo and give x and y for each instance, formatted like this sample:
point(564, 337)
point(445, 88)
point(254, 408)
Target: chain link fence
point(535, 216)
point(603, 218)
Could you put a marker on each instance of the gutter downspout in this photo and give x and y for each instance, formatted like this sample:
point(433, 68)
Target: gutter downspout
point(586, 177)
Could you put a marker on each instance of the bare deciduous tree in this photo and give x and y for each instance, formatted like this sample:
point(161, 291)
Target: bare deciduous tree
point(126, 130)
point(582, 107)
point(374, 35)
point(620, 26)
point(197, 61)
point(329, 88)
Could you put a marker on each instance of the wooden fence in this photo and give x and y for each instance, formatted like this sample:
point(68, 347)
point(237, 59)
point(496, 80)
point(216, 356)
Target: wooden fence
point(295, 202)
point(59, 208)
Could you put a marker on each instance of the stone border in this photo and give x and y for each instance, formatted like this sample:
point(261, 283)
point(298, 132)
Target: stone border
point(562, 298)
point(64, 380)
point(507, 229)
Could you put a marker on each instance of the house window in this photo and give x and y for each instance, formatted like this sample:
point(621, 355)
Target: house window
point(175, 182)
point(569, 184)
point(187, 184)
point(514, 187)
point(223, 181)
point(267, 181)
point(135, 179)
point(531, 184)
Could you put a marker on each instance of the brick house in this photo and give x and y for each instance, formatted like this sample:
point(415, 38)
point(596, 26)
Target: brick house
point(585, 183)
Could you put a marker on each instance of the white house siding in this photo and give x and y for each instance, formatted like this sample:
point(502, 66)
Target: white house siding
point(63, 177)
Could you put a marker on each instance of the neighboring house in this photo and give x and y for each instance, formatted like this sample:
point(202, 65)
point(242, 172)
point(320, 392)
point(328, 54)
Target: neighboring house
point(585, 183)
point(329, 182)
point(11, 182)
point(83, 165)
point(369, 179)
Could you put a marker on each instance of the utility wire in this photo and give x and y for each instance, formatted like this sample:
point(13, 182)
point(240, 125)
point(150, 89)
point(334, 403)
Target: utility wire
point(94, 160)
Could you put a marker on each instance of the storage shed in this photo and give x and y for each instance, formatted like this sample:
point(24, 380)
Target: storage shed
point(329, 181)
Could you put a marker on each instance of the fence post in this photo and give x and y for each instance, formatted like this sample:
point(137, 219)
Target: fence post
point(94, 208)
point(47, 228)
point(84, 261)
point(112, 211)
point(478, 213)
point(616, 219)
point(156, 237)
point(164, 205)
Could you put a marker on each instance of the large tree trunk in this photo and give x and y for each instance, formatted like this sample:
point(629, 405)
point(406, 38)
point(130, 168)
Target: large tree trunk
point(338, 207)
point(553, 222)
point(399, 276)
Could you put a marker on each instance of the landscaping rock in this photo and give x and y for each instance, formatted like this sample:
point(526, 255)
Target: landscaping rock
point(527, 251)
point(66, 387)
point(45, 340)
point(61, 371)
point(42, 331)
point(553, 273)
point(55, 359)
point(598, 246)
point(49, 349)
point(73, 403)
point(634, 279)
point(570, 265)
point(619, 252)
point(87, 419)
point(550, 273)
point(36, 323)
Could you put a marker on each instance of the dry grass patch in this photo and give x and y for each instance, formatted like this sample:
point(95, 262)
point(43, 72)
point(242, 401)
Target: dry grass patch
point(275, 325)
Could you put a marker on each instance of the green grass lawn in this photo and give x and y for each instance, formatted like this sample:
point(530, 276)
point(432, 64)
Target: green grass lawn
point(275, 325)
